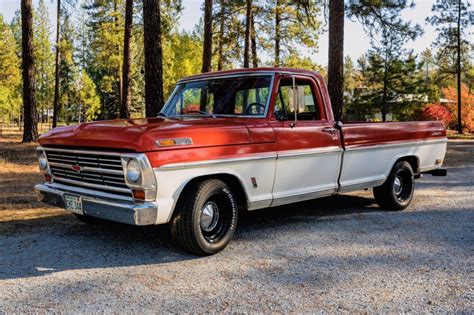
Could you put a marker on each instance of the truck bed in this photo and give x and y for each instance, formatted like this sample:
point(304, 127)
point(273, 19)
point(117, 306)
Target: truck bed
point(376, 133)
point(371, 149)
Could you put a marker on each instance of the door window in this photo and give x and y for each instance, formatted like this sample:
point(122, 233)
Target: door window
point(308, 108)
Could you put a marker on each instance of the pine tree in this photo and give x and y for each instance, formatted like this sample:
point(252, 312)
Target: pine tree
point(248, 26)
point(154, 98)
point(86, 98)
point(127, 60)
point(207, 42)
point(336, 57)
point(374, 17)
point(10, 77)
point(44, 60)
point(451, 19)
point(229, 26)
point(67, 73)
point(288, 24)
point(391, 76)
point(56, 66)
point(104, 53)
point(30, 131)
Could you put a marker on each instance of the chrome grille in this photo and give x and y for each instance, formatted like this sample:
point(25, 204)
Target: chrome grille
point(100, 171)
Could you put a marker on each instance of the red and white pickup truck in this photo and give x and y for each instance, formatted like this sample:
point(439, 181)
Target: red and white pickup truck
point(227, 141)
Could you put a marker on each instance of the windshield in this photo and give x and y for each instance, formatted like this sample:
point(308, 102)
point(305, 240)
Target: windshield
point(233, 96)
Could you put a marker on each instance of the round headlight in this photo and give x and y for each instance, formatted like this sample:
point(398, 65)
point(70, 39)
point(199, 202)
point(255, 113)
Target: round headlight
point(133, 171)
point(43, 162)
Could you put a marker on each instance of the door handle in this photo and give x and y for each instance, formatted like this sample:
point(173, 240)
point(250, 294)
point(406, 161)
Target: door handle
point(330, 130)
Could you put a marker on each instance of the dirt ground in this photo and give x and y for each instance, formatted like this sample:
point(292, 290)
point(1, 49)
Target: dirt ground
point(334, 254)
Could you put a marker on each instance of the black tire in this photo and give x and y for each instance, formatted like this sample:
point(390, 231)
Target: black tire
point(205, 218)
point(397, 191)
point(84, 218)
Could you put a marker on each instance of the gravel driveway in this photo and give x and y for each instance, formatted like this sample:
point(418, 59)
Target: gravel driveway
point(335, 254)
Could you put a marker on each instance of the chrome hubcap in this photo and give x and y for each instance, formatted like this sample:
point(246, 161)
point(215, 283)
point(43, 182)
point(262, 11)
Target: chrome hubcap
point(209, 216)
point(398, 185)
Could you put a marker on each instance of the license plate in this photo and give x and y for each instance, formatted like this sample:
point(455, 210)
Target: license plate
point(73, 204)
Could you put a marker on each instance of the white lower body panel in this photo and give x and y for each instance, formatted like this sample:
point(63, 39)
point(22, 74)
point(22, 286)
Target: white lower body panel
point(365, 167)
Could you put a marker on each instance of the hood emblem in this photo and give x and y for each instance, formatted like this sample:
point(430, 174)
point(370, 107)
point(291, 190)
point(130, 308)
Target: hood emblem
point(76, 168)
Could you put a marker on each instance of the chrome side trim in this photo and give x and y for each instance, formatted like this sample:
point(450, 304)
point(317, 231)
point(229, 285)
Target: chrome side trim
point(362, 185)
point(259, 204)
point(78, 151)
point(74, 182)
point(304, 196)
point(396, 144)
point(87, 168)
point(312, 151)
point(175, 166)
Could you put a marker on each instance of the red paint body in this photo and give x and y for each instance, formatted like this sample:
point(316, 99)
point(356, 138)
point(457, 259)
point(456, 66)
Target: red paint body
point(233, 136)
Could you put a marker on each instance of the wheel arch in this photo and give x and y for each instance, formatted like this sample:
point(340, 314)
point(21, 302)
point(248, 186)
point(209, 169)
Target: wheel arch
point(413, 160)
point(233, 181)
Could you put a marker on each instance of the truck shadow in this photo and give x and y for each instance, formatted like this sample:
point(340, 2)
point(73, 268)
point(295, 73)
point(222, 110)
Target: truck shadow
point(41, 246)
point(312, 209)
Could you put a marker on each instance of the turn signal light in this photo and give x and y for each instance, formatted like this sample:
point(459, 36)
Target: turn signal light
point(138, 194)
point(173, 142)
point(47, 177)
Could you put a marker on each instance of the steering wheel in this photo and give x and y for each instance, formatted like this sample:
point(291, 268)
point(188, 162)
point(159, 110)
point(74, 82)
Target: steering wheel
point(255, 108)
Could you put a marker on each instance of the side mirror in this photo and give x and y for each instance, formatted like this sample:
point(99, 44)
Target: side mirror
point(301, 100)
point(297, 101)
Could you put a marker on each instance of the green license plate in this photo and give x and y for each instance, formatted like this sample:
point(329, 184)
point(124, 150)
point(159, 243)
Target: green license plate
point(73, 204)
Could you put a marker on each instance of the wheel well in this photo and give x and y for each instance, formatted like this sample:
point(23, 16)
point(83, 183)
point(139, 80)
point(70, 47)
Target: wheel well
point(232, 181)
point(412, 160)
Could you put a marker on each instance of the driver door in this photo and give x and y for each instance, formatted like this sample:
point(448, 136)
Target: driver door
point(308, 145)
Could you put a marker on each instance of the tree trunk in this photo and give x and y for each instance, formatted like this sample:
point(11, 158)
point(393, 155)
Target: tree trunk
point(277, 34)
point(247, 33)
point(220, 48)
point(253, 41)
point(336, 57)
point(126, 101)
point(154, 98)
point(56, 69)
point(207, 45)
point(119, 65)
point(458, 68)
point(30, 130)
point(385, 84)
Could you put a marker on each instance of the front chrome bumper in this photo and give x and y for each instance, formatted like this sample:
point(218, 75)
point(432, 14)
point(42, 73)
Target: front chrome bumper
point(123, 211)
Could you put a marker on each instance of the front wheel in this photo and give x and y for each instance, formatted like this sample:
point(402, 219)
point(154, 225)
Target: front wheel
point(397, 191)
point(205, 218)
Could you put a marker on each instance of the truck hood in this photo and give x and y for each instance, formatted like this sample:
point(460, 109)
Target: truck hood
point(139, 135)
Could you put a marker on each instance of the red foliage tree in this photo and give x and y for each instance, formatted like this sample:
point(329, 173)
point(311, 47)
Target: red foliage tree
point(467, 106)
point(436, 112)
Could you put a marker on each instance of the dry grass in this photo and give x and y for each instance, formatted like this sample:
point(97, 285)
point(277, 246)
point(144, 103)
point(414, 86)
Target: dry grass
point(454, 135)
point(18, 174)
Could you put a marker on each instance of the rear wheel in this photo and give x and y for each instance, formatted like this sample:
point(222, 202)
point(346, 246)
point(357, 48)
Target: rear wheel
point(205, 218)
point(397, 191)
